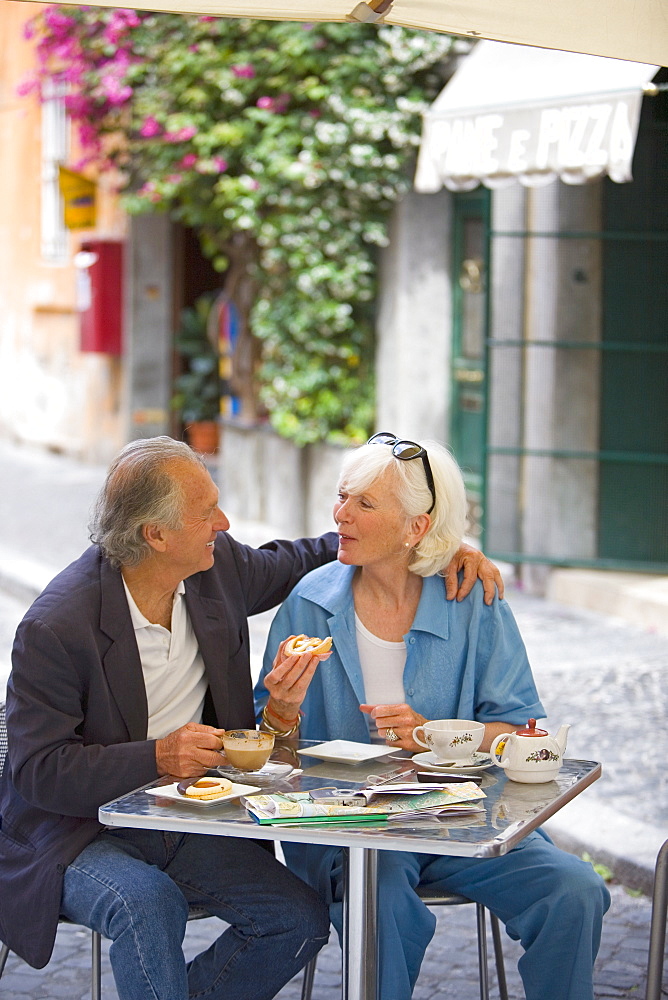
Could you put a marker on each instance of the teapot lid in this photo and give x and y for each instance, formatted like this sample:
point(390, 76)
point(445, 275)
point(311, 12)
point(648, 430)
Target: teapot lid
point(530, 730)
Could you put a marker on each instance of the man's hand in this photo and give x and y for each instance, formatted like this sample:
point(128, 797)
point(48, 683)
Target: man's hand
point(190, 751)
point(475, 564)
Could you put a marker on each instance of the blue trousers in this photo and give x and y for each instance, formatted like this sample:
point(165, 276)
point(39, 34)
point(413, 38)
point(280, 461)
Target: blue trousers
point(549, 900)
point(135, 886)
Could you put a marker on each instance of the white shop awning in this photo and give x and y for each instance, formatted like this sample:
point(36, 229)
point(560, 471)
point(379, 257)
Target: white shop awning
point(512, 112)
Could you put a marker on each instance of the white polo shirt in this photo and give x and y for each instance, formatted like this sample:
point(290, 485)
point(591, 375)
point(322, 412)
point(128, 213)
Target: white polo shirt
point(173, 668)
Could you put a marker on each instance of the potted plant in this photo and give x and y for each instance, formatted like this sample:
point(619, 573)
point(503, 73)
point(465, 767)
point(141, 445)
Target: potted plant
point(197, 394)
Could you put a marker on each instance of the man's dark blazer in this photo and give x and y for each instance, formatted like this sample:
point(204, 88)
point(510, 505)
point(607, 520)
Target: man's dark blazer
point(77, 712)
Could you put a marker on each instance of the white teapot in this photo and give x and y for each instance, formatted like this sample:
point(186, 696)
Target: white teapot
point(530, 754)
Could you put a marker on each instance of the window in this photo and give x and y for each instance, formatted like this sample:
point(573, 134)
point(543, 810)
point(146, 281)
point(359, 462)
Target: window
point(55, 148)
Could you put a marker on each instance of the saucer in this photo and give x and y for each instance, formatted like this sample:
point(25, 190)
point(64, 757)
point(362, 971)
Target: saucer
point(480, 762)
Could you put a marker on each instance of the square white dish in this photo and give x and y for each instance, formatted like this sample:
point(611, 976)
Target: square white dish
point(172, 792)
point(346, 751)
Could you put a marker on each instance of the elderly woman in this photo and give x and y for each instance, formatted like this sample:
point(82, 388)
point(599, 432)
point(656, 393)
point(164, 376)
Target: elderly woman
point(403, 654)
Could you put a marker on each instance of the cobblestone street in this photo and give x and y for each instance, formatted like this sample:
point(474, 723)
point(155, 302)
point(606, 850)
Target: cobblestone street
point(449, 971)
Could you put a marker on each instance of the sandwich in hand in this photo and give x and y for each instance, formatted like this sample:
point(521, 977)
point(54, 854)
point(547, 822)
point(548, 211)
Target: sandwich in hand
point(300, 644)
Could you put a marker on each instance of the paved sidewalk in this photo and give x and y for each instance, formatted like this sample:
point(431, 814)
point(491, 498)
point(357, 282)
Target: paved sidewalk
point(449, 970)
point(599, 673)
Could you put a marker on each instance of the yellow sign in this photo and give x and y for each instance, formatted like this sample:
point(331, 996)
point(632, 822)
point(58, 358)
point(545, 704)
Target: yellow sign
point(79, 199)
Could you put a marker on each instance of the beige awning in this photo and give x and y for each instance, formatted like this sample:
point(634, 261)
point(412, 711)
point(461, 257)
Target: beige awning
point(623, 29)
point(512, 112)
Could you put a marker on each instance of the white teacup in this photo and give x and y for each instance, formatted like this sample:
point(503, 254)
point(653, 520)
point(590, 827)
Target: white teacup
point(450, 739)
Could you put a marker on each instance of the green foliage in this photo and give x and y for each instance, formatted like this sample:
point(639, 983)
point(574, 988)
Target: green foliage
point(198, 387)
point(605, 873)
point(300, 136)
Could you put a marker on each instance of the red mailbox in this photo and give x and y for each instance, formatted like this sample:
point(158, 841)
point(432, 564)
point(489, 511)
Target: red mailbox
point(100, 295)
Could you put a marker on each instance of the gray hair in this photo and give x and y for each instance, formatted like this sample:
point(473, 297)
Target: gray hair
point(432, 554)
point(139, 489)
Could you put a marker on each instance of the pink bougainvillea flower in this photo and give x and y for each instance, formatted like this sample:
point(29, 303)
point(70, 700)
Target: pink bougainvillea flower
point(244, 70)
point(181, 135)
point(26, 87)
point(119, 22)
point(188, 161)
point(275, 104)
point(150, 191)
point(150, 127)
point(220, 164)
point(88, 134)
point(174, 178)
point(78, 106)
point(115, 91)
point(57, 22)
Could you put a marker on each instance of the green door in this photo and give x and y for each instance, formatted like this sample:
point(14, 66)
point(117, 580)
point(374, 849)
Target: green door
point(470, 269)
point(633, 487)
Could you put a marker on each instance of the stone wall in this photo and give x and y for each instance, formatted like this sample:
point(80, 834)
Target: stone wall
point(263, 477)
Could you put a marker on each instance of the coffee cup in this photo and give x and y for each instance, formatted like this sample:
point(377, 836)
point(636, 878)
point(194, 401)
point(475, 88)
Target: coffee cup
point(450, 740)
point(248, 749)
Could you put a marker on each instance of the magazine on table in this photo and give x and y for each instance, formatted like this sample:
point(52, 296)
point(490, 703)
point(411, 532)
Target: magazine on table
point(372, 804)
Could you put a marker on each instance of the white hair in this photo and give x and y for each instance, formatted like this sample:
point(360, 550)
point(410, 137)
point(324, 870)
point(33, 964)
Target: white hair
point(365, 465)
point(139, 489)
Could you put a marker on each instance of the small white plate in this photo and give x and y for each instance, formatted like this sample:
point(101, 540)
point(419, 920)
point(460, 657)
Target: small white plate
point(346, 751)
point(172, 792)
point(480, 762)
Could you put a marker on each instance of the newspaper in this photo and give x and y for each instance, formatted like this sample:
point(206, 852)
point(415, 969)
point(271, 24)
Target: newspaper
point(300, 807)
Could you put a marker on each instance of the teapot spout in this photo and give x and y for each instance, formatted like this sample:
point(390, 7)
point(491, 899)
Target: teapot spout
point(561, 736)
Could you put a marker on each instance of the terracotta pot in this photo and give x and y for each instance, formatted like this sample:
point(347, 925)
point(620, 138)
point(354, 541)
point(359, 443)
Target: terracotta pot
point(203, 436)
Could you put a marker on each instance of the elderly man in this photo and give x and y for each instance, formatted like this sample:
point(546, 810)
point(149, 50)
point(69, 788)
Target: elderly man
point(117, 669)
point(130, 666)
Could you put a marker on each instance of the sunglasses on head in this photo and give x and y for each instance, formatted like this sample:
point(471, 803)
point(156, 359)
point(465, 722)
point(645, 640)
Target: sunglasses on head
point(405, 451)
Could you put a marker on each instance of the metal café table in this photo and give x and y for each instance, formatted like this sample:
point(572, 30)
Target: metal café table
point(511, 811)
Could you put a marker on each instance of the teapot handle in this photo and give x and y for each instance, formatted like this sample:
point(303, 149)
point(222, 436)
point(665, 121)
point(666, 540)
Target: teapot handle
point(492, 750)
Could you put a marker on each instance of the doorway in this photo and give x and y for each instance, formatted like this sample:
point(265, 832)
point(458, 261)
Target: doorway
point(469, 369)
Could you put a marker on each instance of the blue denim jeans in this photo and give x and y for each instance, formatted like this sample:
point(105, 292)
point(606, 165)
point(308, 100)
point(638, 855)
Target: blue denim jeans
point(549, 900)
point(135, 887)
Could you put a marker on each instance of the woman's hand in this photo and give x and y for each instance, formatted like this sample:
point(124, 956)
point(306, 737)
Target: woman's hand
point(398, 719)
point(287, 683)
point(475, 564)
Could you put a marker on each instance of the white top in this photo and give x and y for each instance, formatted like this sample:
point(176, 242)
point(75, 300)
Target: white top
point(382, 665)
point(173, 668)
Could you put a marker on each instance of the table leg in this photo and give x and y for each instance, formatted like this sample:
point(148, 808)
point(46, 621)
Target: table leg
point(360, 933)
point(657, 934)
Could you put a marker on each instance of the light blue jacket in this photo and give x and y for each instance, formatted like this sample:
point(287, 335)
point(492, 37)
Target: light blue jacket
point(464, 659)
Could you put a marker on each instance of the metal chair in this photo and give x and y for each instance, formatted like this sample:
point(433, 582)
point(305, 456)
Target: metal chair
point(433, 898)
point(657, 933)
point(195, 913)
